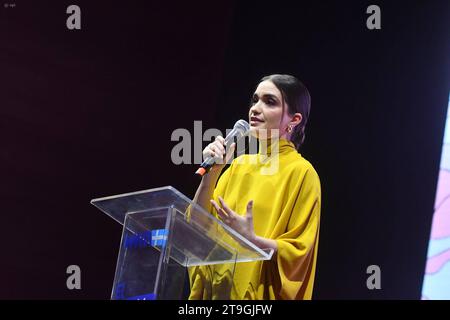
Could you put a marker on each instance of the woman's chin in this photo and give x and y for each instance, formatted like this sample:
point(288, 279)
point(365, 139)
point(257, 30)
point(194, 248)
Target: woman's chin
point(255, 132)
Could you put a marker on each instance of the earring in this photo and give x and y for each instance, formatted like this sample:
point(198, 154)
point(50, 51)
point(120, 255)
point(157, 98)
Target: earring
point(289, 129)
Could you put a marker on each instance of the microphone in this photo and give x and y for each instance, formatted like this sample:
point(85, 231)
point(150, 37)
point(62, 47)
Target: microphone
point(241, 129)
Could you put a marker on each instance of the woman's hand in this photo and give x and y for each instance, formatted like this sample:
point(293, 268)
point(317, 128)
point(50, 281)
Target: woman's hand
point(217, 150)
point(242, 224)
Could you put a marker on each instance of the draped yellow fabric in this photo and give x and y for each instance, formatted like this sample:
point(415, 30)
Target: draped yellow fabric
point(286, 195)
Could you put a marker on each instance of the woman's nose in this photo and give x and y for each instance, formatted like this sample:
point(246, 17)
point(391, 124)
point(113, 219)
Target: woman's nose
point(255, 109)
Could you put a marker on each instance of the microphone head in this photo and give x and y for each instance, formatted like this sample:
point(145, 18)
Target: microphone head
point(243, 126)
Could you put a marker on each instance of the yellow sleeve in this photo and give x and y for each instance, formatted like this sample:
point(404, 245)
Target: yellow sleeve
point(220, 188)
point(297, 247)
point(199, 277)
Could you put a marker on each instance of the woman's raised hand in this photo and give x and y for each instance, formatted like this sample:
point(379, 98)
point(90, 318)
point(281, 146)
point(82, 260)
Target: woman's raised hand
point(216, 149)
point(241, 223)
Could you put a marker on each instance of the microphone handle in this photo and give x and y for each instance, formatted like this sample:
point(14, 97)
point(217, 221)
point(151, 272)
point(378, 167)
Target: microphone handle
point(210, 161)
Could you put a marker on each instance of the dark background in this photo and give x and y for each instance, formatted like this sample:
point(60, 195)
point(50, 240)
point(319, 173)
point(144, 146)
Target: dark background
point(89, 113)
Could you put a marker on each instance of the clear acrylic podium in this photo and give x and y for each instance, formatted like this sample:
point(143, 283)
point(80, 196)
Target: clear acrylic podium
point(163, 235)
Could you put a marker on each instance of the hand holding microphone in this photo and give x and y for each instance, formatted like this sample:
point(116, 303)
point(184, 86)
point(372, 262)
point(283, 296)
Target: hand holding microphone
point(219, 152)
point(216, 150)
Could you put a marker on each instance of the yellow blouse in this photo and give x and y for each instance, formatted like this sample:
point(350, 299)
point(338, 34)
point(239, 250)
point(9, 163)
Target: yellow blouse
point(286, 195)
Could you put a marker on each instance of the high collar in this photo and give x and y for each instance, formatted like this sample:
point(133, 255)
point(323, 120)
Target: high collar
point(274, 145)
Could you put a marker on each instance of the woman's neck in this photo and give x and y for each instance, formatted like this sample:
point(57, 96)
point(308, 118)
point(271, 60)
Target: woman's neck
point(274, 145)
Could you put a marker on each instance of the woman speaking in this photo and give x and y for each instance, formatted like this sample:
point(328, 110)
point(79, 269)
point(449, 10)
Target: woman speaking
point(272, 198)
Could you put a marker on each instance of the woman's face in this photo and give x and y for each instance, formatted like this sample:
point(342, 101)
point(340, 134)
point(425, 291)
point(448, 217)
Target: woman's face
point(266, 112)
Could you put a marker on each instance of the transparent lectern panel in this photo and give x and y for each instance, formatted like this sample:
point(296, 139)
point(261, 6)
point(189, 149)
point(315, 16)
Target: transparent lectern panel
point(195, 227)
point(145, 270)
point(164, 237)
point(138, 264)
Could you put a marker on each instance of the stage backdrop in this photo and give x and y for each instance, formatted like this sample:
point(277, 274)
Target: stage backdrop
point(90, 113)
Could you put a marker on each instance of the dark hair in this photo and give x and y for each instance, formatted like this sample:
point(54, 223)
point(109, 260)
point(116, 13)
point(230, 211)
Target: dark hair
point(297, 97)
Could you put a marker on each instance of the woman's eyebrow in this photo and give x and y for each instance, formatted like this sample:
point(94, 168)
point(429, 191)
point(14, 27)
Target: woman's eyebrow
point(269, 95)
point(266, 95)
